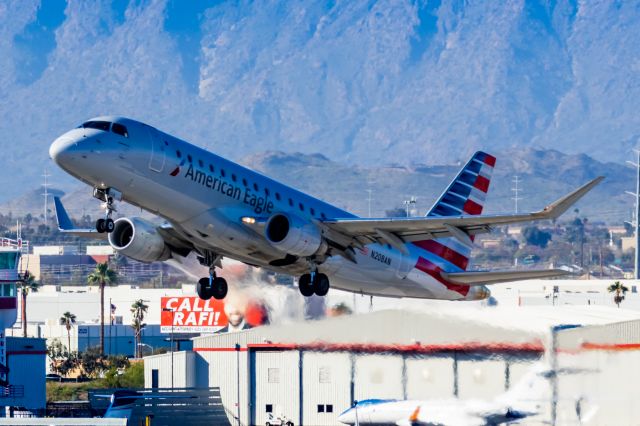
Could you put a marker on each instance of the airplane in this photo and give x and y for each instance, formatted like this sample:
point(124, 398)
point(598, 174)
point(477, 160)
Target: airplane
point(528, 398)
point(215, 208)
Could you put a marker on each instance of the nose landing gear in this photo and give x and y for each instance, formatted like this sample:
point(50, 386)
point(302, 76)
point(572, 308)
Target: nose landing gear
point(108, 197)
point(313, 283)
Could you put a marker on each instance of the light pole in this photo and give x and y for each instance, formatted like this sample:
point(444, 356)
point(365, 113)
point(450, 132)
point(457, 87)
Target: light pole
point(172, 315)
point(153, 350)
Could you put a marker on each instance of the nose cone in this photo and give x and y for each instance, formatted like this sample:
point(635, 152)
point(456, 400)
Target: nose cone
point(347, 417)
point(60, 148)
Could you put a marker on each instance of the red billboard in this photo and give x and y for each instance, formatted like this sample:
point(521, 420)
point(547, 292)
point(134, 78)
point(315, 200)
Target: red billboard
point(191, 315)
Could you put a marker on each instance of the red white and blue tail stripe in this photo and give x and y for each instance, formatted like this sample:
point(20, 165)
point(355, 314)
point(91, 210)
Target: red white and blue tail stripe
point(468, 191)
point(465, 195)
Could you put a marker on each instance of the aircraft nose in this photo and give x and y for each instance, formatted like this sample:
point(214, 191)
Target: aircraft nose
point(347, 417)
point(60, 147)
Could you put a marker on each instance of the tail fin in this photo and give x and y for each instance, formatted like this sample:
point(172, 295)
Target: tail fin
point(464, 196)
point(467, 193)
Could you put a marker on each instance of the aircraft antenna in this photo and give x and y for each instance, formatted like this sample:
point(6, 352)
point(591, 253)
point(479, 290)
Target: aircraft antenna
point(636, 222)
point(516, 191)
point(46, 185)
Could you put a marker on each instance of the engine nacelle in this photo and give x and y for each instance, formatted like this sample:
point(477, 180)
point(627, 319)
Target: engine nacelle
point(138, 239)
point(293, 235)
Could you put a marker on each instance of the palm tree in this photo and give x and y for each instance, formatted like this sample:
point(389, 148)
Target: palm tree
point(102, 276)
point(27, 283)
point(138, 309)
point(620, 290)
point(68, 319)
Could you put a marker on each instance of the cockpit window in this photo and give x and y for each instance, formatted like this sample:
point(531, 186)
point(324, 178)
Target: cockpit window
point(100, 125)
point(120, 130)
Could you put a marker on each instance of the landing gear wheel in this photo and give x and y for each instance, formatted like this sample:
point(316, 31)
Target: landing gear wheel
point(202, 288)
point(101, 226)
point(305, 285)
point(321, 285)
point(219, 289)
point(109, 225)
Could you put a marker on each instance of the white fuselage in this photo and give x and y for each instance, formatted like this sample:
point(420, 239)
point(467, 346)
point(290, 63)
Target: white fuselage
point(204, 197)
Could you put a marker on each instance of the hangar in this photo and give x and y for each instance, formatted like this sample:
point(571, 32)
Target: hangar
point(310, 372)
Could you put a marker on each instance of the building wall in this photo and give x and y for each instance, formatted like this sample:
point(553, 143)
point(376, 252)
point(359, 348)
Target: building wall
point(326, 380)
point(378, 376)
point(184, 369)
point(275, 382)
point(26, 359)
point(431, 377)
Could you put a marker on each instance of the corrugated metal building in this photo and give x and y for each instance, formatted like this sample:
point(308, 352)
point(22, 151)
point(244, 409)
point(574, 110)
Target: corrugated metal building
point(312, 371)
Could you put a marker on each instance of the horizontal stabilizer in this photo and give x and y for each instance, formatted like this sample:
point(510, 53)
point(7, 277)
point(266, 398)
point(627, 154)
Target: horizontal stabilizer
point(66, 226)
point(494, 277)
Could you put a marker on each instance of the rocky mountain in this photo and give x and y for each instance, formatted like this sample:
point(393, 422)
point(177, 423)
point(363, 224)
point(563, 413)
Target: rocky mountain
point(370, 83)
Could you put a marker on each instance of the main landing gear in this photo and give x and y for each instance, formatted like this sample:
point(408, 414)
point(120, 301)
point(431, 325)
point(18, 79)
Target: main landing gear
point(108, 197)
point(211, 286)
point(313, 283)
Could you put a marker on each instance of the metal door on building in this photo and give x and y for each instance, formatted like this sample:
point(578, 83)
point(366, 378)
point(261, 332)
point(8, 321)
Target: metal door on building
point(275, 386)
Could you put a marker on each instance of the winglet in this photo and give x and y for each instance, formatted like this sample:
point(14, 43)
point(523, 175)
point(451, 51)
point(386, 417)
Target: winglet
point(64, 223)
point(557, 208)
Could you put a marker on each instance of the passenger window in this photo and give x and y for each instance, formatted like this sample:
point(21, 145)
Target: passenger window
point(200, 163)
point(100, 125)
point(233, 177)
point(313, 212)
point(277, 196)
point(266, 191)
point(244, 181)
point(165, 142)
point(122, 131)
point(323, 216)
point(222, 172)
point(255, 187)
point(179, 154)
point(189, 159)
point(211, 169)
point(290, 202)
point(301, 207)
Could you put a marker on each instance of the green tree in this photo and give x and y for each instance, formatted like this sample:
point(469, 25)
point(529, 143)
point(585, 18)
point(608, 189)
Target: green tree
point(68, 320)
point(102, 275)
point(619, 291)
point(62, 360)
point(138, 310)
point(27, 284)
point(533, 236)
point(93, 362)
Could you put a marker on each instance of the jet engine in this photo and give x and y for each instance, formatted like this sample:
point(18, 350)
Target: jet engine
point(138, 239)
point(293, 235)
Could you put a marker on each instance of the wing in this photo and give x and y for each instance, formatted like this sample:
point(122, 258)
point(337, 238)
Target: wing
point(495, 277)
point(395, 231)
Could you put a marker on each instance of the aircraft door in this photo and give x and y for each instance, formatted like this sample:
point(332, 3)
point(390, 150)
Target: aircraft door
point(156, 162)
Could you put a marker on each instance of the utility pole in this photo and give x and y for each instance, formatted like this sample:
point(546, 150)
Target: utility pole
point(409, 202)
point(636, 269)
point(46, 185)
point(516, 191)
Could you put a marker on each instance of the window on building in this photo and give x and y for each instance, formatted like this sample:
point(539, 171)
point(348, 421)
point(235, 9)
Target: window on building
point(324, 374)
point(268, 408)
point(320, 408)
point(273, 375)
point(329, 408)
point(155, 378)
